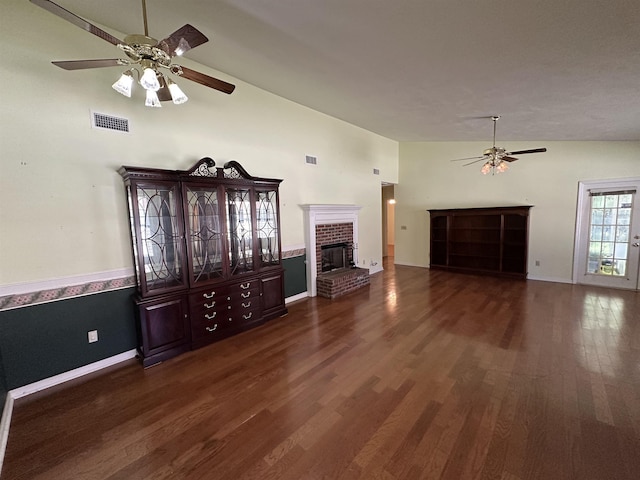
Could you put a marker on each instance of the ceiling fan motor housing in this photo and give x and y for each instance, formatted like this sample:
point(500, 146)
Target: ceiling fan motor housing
point(141, 47)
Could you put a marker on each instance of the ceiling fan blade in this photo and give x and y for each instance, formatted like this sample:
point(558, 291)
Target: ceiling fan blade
point(476, 161)
point(82, 64)
point(164, 94)
point(468, 158)
point(76, 20)
point(182, 40)
point(509, 159)
point(206, 80)
point(521, 152)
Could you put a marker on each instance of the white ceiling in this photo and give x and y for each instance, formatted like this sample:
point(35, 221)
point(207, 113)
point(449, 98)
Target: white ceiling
point(419, 70)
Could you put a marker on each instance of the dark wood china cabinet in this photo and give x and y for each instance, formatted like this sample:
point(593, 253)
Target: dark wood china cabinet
point(206, 244)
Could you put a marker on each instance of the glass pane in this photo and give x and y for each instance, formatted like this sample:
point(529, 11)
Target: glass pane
point(239, 224)
point(625, 200)
point(597, 215)
point(620, 251)
point(597, 202)
point(160, 237)
point(622, 234)
point(611, 201)
point(610, 216)
point(595, 249)
point(607, 249)
point(205, 233)
point(593, 264)
point(624, 216)
point(621, 267)
point(267, 223)
point(608, 233)
point(596, 233)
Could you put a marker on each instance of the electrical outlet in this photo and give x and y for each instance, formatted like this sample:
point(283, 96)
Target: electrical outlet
point(93, 336)
point(537, 263)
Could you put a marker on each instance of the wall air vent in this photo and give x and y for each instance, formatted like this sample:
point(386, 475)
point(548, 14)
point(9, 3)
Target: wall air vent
point(311, 160)
point(109, 122)
point(376, 171)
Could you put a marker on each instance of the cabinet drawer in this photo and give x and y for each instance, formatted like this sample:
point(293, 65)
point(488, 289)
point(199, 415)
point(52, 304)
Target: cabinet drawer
point(209, 329)
point(238, 297)
point(244, 315)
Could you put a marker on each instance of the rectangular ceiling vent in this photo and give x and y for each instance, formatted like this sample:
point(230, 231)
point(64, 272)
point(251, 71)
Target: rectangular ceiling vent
point(109, 122)
point(311, 160)
point(376, 171)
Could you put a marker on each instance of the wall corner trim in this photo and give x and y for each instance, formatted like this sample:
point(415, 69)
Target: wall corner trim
point(4, 427)
point(295, 298)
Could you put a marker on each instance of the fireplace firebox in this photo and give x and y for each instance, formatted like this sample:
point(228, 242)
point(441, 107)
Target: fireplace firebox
point(335, 256)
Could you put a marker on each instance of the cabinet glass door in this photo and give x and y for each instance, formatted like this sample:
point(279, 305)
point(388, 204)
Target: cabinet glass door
point(267, 227)
point(239, 228)
point(205, 233)
point(159, 250)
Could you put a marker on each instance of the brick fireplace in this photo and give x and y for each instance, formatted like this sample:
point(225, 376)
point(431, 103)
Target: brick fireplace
point(332, 225)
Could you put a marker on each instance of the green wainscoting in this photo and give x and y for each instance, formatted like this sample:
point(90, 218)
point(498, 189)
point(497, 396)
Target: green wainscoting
point(44, 340)
point(295, 275)
point(41, 341)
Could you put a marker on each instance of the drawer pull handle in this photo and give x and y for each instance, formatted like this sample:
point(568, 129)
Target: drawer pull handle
point(247, 317)
point(230, 318)
point(209, 329)
point(210, 317)
point(228, 298)
point(247, 305)
point(229, 307)
point(210, 295)
point(213, 304)
point(244, 286)
point(247, 295)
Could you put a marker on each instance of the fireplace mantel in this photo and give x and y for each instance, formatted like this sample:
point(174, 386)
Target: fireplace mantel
point(325, 214)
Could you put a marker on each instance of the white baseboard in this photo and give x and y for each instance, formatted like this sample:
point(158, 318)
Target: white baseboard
point(375, 269)
point(297, 297)
point(70, 375)
point(405, 264)
point(549, 279)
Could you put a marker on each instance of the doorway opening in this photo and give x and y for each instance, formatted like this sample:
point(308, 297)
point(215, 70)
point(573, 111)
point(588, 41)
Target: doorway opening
point(388, 221)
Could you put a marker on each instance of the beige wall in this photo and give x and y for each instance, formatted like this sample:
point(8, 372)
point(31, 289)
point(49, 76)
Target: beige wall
point(548, 181)
point(62, 204)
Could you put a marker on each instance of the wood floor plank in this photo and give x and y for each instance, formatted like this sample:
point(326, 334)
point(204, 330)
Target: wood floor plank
point(422, 374)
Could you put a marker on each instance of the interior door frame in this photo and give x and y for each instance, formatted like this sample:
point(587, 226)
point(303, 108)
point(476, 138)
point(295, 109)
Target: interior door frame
point(583, 190)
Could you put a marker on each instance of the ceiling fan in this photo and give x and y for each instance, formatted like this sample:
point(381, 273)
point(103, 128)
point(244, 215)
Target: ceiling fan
point(146, 52)
point(496, 158)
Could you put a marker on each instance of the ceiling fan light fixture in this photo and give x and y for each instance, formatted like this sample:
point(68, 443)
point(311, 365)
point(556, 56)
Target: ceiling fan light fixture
point(124, 84)
point(149, 79)
point(486, 168)
point(502, 166)
point(177, 95)
point(152, 99)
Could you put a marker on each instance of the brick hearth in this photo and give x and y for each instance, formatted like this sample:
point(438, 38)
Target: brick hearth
point(341, 281)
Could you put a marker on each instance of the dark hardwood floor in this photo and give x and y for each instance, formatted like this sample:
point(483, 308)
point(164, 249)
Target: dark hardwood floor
point(424, 374)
